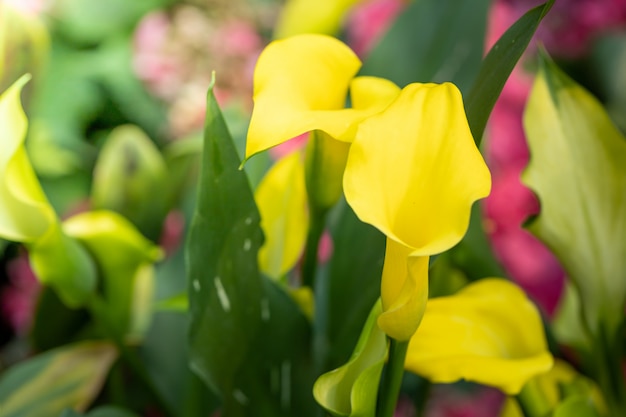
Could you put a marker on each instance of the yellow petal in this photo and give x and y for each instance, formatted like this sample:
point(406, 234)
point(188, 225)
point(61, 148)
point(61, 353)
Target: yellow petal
point(312, 16)
point(489, 333)
point(300, 84)
point(282, 202)
point(372, 93)
point(414, 171)
point(404, 291)
point(25, 214)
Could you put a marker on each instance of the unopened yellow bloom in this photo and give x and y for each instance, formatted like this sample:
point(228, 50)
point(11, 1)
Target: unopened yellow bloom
point(489, 333)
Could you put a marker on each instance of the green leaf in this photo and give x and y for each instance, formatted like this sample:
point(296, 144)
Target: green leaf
point(473, 254)
point(348, 288)
point(44, 385)
point(55, 324)
point(352, 389)
point(432, 41)
point(576, 407)
point(104, 411)
point(578, 170)
point(497, 66)
point(248, 340)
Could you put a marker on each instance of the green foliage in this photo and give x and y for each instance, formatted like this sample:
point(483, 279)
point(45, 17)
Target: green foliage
point(432, 41)
point(352, 389)
point(260, 354)
point(46, 384)
point(578, 170)
point(497, 67)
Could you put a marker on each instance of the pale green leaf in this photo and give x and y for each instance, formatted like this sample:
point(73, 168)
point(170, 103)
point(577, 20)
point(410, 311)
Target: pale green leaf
point(578, 170)
point(67, 377)
point(352, 389)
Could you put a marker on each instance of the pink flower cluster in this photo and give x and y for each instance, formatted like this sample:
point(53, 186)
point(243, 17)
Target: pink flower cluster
point(176, 53)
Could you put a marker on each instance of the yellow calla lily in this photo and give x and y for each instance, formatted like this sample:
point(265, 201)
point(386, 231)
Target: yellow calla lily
point(489, 332)
point(281, 199)
point(312, 16)
point(413, 172)
point(301, 84)
point(27, 216)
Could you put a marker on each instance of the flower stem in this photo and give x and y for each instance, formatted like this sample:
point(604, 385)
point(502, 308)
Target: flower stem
point(392, 378)
point(309, 260)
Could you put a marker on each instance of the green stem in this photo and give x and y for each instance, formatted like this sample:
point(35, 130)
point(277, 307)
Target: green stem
point(309, 260)
point(392, 378)
point(532, 400)
point(606, 357)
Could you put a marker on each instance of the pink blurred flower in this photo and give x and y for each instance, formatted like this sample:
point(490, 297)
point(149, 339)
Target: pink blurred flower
point(369, 20)
point(175, 54)
point(291, 145)
point(31, 7)
point(405, 408)
point(173, 231)
point(571, 26)
point(452, 401)
point(17, 300)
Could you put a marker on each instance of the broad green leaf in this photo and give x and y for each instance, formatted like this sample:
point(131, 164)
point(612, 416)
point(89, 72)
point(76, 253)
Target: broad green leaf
point(70, 376)
point(352, 389)
point(282, 201)
point(247, 339)
point(128, 178)
point(578, 170)
point(432, 41)
point(498, 65)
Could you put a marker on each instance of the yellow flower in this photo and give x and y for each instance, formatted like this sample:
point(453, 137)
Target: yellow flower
point(489, 333)
point(281, 199)
point(414, 172)
point(301, 84)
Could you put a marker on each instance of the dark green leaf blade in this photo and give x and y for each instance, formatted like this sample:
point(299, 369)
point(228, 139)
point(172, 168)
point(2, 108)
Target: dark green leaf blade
point(497, 66)
point(248, 340)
